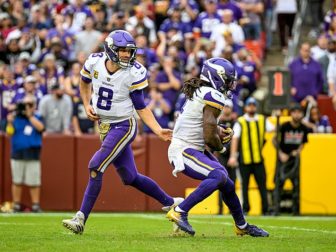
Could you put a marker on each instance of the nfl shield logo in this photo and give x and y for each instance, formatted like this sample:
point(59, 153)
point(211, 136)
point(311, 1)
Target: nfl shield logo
point(108, 79)
point(95, 74)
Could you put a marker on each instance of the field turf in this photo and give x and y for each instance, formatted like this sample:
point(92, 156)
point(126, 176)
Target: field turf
point(152, 232)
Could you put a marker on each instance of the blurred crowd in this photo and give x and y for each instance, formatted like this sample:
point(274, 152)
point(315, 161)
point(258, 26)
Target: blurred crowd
point(43, 45)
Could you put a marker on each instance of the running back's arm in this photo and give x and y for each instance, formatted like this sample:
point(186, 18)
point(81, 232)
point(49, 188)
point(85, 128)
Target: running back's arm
point(211, 137)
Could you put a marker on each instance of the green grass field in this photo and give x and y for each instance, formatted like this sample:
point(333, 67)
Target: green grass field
point(152, 232)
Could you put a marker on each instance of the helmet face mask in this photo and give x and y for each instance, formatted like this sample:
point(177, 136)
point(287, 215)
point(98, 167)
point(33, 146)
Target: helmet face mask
point(117, 40)
point(220, 73)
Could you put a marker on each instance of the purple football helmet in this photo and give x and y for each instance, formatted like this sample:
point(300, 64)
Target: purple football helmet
point(116, 40)
point(220, 73)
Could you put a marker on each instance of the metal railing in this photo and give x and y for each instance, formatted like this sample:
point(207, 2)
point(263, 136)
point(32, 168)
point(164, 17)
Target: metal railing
point(296, 31)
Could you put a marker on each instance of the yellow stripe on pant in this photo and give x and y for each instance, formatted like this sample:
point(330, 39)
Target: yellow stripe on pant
point(117, 145)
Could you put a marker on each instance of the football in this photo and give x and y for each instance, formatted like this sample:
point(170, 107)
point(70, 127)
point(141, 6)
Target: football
point(225, 133)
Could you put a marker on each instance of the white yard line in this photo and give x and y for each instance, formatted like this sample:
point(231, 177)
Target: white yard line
point(111, 215)
point(195, 219)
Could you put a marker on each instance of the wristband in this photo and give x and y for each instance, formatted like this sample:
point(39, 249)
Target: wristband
point(222, 150)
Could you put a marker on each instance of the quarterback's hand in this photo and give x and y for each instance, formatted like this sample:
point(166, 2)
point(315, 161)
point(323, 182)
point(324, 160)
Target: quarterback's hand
point(91, 113)
point(165, 134)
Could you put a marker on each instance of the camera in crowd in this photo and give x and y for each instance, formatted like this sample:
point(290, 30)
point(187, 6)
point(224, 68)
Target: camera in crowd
point(21, 108)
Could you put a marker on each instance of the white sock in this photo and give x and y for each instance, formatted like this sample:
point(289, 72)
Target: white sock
point(242, 226)
point(177, 209)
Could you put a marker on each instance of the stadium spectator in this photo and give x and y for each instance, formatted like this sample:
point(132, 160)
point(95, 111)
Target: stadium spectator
point(292, 137)
point(88, 40)
point(246, 70)
point(324, 62)
point(63, 34)
point(320, 49)
point(56, 110)
point(252, 9)
point(79, 11)
point(161, 108)
point(8, 87)
point(268, 21)
point(80, 123)
point(25, 128)
point(29, 89)
point(306, 75)
point(150, 56)
point(207, 20)
point(316, 122)
point(331, 32)
point(230, 5)
point(168, 80)
point(286, 11)
point(13, 50)
point(100, 18)
point(219, 31)
point(248, 139)
point(331, 75)
point(71, 83)
point(51, 72)
point(174, 22)
point(117, 21)
point(28, 68)
point(140, 24)
point(189, 9)
point(316, 14)
point(62, 57)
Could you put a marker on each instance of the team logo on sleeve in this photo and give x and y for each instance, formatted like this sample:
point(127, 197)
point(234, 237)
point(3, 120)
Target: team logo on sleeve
point(95, 74)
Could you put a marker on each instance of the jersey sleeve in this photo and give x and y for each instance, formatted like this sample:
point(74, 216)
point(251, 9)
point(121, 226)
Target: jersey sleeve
point(139, 74)
point(87, 68)
point(214, 99)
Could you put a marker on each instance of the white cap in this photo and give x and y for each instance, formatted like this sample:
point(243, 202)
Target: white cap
point(4, 15)
point(36, 7)
point(49, 56)
point(24, 56)
point(30, 78)
point(16, 34)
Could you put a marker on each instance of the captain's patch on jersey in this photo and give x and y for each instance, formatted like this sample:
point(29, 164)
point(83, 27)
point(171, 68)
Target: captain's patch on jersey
point(95, 74)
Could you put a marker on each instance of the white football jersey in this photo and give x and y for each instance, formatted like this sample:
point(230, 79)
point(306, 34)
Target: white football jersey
point(111, 92)
point(189, 124)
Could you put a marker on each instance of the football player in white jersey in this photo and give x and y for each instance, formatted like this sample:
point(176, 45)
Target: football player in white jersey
point(111, 88)
point(197, 127)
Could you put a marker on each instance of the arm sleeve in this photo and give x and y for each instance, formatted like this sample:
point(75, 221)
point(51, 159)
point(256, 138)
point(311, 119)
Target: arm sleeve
point(86, 71)
point(214, 99)
point(138, 100)
point(236, 130)
point(140, 79)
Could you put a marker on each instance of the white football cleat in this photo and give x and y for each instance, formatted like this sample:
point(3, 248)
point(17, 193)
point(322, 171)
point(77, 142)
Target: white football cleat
point(177, 201)
point(76, 224)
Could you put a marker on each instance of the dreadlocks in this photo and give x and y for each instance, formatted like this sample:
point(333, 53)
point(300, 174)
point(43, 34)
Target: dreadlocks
point(190, 86)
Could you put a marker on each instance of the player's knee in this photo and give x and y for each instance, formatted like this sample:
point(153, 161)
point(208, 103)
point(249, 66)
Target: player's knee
point(229, 186)
point(220, 175)
point(126, 177)
point(95, 175)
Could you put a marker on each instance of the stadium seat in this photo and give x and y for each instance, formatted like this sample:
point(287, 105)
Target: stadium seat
point(326, 108)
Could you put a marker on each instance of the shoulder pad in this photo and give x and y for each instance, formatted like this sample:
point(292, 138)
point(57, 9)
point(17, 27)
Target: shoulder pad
point(139, 76)
point(213, 98)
